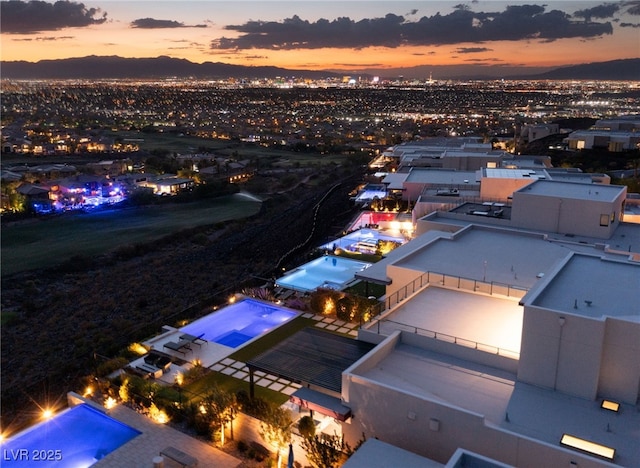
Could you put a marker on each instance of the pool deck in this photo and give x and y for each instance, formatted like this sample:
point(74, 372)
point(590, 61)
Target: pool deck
point(141, 450)
point(207, 352)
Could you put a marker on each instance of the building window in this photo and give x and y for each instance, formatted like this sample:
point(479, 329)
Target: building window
point(604, 220)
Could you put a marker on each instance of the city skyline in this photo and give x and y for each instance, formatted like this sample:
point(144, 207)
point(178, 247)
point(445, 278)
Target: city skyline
point(324, 35)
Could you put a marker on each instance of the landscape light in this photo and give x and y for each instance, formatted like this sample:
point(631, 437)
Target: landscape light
point(157, 415)
point(110, 403)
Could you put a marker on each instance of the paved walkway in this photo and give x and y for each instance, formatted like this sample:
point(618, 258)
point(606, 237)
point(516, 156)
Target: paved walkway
point(334, 325)
point(140, 451)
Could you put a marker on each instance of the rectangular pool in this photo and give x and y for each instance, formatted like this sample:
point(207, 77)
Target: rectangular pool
point(326, 272)
point(76, 438)
point(352, 242)
point(237, 323)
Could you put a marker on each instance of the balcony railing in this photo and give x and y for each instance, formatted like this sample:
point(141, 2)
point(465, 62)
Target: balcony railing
point(450, 281)
point(448, 338)
point(458, 282)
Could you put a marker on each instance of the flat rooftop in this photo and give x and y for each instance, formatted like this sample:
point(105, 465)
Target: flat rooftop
point(607, 193)
point(377, 454)
point(624, 241)
point(598, 288)
point(484, 209)
point(534, 412)
point(441, 176)
point(395, 180)
point(505, 257)
point(502, 173)
point(377, 272)
point(490, 321)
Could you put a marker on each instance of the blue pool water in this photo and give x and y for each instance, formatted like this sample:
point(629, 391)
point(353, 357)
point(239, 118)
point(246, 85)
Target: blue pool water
point(326, 272)
point(351, 240)
point(238, 323)
point(76, 438)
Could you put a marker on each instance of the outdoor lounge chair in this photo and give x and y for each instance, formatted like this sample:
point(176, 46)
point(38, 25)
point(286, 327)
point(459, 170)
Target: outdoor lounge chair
point(187, 338)
point(178, 347)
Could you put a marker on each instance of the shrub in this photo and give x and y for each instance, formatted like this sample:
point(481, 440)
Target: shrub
point(258, 452)
point(322, 301)
point(9, 318)
point(123, 393)
point(200, 239)
point(307, 427)
point(344, 309)
point(195, 373)
point(256, 407)
point(112, 365)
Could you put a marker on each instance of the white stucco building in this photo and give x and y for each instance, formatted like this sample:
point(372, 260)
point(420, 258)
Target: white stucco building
point(511, 338)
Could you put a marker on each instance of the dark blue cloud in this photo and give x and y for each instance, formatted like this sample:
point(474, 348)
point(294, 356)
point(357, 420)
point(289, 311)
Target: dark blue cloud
point(606, 10)
point(18, 17)
point(472, 50)
point(462, 25)
point(151, 23)
point(633, 7)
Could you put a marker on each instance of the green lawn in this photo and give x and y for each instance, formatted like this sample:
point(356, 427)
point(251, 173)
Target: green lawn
point(172, 142)
point(271, 339)
point(196, 390)
point(232, 384)
point(175, 143)
point(51, 241)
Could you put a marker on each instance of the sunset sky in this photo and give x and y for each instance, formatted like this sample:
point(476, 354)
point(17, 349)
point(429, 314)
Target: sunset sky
point(330, 35)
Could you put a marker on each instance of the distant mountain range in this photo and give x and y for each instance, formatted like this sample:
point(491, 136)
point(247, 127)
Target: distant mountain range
point(621, 70)
point(113, 67)
point(614, 70)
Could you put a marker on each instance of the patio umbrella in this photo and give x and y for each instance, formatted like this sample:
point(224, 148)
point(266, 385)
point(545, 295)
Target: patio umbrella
point(290, 462)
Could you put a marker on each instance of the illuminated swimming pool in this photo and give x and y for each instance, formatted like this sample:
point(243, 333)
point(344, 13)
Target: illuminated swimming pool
point(326, 272)
point(240, 322)
point(363, 240)
point(76, 438)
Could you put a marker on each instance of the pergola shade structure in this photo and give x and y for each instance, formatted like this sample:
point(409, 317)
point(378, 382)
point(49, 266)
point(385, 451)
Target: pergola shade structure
point(313, 358)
